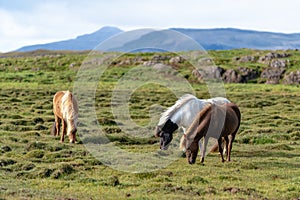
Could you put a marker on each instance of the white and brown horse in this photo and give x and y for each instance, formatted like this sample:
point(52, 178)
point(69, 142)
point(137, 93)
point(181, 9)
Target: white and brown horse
point(65, 109)
point(181, 114)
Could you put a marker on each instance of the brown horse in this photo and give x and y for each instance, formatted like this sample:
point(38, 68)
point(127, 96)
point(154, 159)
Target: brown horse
point(217, 121)
point(65, 109)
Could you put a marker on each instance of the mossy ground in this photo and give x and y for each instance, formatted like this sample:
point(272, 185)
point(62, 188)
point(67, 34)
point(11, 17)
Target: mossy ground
point(35, 165)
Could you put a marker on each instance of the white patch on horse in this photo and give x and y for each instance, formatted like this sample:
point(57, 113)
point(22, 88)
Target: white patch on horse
point(171, 110)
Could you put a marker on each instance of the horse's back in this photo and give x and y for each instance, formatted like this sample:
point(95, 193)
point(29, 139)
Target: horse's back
point(69, 106)
point(71, 101)
point(57, 102)
point(64, 97)
point(233, 118)
point(218, 100)
point(58, 96)
point(236, 109)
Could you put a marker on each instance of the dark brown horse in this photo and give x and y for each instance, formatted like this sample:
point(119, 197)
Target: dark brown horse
point(65, 109)
point(217, 121)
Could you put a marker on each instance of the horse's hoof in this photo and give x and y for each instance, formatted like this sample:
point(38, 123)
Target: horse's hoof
point(183, 155)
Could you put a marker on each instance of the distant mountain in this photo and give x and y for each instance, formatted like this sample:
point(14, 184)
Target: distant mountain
point(150, 40)
point(209, 39)
point(229, 38)
point(83, 42)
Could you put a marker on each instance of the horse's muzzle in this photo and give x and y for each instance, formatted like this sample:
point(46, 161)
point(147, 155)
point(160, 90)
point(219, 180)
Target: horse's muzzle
point(163, 145)
point(191, 162)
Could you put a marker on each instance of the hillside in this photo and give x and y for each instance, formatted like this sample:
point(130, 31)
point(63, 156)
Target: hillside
point(35, 165)
point(232, 66)
point(209, 39)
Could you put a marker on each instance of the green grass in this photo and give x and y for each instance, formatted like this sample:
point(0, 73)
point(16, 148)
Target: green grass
point(35, 165)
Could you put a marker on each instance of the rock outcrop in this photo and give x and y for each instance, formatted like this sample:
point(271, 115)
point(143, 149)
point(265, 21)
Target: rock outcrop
point(241, 75)
point(272, 55)
point(274, 73)
point(270, 68)
point(292, 78)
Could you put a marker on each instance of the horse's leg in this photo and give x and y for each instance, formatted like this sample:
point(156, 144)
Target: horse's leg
point(230, 147)
point(226, 145)
point(200, 146)
point(205, 141)
point(220, 148)
point(64, 126)
point(57, 125)
point(53, 128)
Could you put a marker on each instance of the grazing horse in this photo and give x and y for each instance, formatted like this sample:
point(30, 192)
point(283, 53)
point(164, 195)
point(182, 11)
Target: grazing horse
point(65, 109)
point(181, 114)
point(215, 121)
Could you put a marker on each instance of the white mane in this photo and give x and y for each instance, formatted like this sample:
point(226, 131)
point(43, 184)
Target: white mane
point(69, 110)
point(171, 110)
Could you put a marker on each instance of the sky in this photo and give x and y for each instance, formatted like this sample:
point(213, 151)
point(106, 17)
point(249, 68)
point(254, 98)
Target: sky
point(28, 22)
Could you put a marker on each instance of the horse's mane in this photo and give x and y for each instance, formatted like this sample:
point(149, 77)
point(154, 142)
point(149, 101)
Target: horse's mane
point(197, 119)
point(171, 110)
point(69, 108)
point(194, 125)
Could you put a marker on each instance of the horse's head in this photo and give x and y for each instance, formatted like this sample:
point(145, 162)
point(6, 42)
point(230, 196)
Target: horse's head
point(72, 130)
point(72, 136)
point(166, 134)
point(192, 152)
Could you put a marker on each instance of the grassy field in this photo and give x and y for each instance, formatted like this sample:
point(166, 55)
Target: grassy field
point(35, 165)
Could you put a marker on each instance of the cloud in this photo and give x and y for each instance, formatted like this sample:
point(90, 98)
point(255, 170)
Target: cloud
point(10, 27)
point(12, 32)
point(43, 23)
